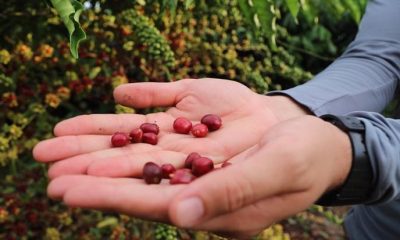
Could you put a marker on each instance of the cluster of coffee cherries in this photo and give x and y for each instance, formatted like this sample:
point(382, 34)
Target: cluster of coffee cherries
point(195, 166)
point(148, 132)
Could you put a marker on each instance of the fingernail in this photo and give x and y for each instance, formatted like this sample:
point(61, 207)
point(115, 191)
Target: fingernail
point(189, 211)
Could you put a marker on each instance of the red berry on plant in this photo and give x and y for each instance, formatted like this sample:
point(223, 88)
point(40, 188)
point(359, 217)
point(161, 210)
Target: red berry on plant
point(119, 139)
point(152, 173)
point(200, 130)
point(190, 158)
point(182, 125)
point(150, 138)
point(201, 166)
point(167, 170)
point(150, 128)
point(212, 121)
point(136, 135)
point(182, 176)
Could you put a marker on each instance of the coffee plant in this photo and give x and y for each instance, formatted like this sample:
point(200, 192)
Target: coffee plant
point(62, 58)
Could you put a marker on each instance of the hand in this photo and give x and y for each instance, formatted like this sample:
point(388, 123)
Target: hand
point(283, 174)
point(83, 142)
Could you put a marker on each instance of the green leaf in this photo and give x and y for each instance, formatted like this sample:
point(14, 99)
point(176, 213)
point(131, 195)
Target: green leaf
point(245, 9)
point(263, 10)
point(293, 6)
point(188, 3)
point(69, 11)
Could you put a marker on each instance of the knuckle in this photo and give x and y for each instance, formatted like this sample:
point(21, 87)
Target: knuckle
point(238, 193)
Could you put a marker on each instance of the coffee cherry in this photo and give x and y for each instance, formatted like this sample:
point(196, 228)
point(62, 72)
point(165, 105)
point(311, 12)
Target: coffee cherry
point(212, 121)
point(200, 130)
point(182, 125)
point(150, 128)
point(150, 138)
point(136, 135)
point(167, 170)
point(152, 173)
point(182, 176)
point(190, 158)
point(119, 139)
point(201, 166)
point(226, 164)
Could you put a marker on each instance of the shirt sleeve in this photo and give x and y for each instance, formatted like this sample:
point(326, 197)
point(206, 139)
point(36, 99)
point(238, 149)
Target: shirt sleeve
point(382, 139)
point(365, 77)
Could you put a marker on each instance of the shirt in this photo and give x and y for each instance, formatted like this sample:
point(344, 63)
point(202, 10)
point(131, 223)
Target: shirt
point(360, 83)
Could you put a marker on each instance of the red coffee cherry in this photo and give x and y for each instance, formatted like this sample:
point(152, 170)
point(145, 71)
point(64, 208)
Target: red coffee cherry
point(150, 128)
point(182, 125)
point(212, 121)
point(199, 130)
point(150, 138)
point(152, 173)
point(190, 158)
point(119, 139)
point(167, 170)
point(182, 176)
point(136, 135)
point(201, 166)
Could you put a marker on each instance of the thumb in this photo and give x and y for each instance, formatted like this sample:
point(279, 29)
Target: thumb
point(150, 94)
point(228, 189)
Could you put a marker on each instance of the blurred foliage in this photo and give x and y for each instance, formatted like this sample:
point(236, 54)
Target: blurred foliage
point(41, 83)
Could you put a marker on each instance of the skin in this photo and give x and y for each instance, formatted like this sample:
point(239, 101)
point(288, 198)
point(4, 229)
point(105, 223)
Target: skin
point(282, 158)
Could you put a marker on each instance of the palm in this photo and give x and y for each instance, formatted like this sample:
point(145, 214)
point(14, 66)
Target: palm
point(85, 140)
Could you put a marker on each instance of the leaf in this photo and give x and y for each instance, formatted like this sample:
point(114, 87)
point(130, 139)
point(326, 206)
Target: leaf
point(293, 6)
point(245, 9)
point(69, 11)
point(260, 13)
point(188, 4)
point(263, 9)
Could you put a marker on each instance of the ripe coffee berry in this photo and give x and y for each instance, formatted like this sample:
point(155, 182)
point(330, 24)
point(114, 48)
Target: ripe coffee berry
point(152, 173)
point(182, 176)
point(201, 166)
point(150, 128)
point(190, 158)
point(150, 138)
point(182, 125)
point(199, 130)
point(136, 135)
point(119, 139)
point(212, 121)
point(167, 170)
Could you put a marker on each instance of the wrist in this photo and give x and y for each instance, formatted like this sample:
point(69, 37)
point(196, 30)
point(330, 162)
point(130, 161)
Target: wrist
point(356, 187)
point(285, 107)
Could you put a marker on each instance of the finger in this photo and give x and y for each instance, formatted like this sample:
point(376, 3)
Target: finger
point(68, 146)
point(129, 196)
point(58, 187)
point(79, 164)
point(236, 186)
point(132, 164)
point(110, 123)
point(150, 94)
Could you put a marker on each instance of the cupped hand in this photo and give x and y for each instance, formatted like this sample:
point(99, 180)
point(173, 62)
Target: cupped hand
point(294, 163)
point(82, 144)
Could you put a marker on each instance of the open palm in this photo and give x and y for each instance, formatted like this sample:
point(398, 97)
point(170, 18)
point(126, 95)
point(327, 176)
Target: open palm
point(83, 142)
